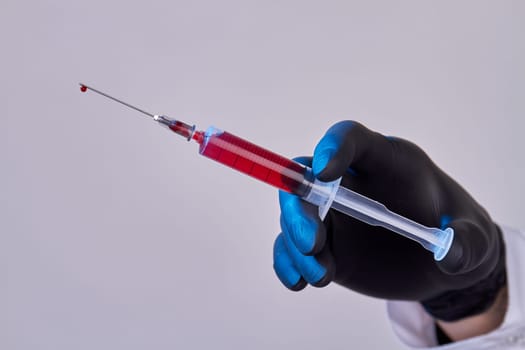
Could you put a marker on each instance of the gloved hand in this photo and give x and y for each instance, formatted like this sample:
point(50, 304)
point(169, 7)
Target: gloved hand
point(377, 262)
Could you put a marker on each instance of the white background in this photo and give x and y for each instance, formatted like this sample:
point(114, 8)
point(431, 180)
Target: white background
point(116, 234)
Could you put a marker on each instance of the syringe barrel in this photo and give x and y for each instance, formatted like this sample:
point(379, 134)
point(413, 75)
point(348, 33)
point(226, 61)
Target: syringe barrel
point(255, 161)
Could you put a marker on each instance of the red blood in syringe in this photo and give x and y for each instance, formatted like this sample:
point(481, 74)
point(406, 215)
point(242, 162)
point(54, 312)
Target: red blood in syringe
point(245, 157)
point(83, 88)
point(255, 161)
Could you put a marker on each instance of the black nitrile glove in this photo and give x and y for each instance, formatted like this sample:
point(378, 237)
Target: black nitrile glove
point(377, 262)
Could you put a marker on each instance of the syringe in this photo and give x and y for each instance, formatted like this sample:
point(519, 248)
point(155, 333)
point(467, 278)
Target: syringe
point(293, 177)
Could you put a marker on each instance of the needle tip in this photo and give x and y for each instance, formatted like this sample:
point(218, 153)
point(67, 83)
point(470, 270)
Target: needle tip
point(84, 88)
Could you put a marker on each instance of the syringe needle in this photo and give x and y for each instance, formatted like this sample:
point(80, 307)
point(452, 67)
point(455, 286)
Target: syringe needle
point(84, 87)
point(295, 178)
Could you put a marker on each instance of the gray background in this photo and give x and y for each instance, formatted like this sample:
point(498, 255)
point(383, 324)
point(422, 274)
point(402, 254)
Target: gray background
point(115, 234)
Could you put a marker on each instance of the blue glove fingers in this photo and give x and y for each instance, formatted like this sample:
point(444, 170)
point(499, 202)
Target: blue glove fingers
point(301, 223)
point(303, 235)
point(284, 268)
point(306, 265)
